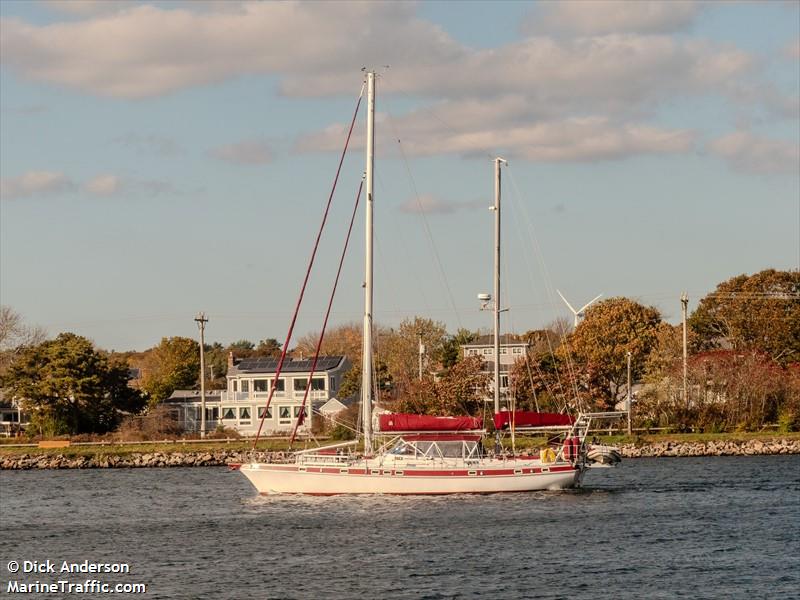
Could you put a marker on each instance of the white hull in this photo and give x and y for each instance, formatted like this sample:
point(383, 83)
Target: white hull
point(362, 477)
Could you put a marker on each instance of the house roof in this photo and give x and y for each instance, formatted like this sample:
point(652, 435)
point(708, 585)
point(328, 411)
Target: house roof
point(295, 365)
point(506, 339)
point(189, 395)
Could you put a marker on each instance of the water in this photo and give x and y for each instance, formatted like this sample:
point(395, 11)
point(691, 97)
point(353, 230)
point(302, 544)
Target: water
point(724, 527)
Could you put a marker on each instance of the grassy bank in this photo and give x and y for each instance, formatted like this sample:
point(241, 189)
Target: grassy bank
point(112, 449)
point(279, 445)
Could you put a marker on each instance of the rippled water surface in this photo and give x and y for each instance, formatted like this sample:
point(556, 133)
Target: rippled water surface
point(723, 527)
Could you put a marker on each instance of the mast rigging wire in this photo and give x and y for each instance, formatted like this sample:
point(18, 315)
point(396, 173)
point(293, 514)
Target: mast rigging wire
point(308, 270)
point(426, 225)
point(300, 417)
point(571, 374)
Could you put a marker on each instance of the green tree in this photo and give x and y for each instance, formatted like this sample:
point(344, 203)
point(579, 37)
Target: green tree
point(269, 347)
point(759, 312)
point(601, 342)
point(216, 365)
point(242, 348)
point(173, 364)
point(451, 349)
point(69, 387)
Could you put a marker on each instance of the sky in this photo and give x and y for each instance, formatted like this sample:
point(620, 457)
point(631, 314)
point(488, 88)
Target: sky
point(159, 159)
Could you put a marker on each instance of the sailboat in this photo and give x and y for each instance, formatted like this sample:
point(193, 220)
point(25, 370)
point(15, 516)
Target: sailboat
point(422, 454)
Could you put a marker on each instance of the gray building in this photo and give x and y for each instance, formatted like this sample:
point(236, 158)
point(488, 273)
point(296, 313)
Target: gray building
point(511, 350)
point(249, 381)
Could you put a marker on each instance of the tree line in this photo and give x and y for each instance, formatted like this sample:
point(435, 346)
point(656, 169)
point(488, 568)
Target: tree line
point(743, 369)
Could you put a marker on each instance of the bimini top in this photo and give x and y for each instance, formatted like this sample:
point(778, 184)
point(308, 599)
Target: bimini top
point(524, 418)
point(406, 422)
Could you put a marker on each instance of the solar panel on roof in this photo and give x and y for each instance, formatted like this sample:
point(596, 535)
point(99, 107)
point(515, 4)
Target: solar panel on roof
point(291, 366)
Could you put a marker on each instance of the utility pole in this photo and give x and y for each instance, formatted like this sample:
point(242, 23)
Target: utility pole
point(421, 353)
point(201, 321)
point(684, 310)
point(629, 392)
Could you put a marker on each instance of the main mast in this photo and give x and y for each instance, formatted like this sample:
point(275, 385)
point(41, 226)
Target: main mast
point(497, 310)
point(366, 354)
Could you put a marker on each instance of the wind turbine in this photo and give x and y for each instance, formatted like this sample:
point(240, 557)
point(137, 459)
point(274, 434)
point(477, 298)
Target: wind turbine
point(579, 313)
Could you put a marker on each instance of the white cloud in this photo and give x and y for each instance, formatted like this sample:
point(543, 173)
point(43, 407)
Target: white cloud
point(87, 7)
point(475, 128)
point(586, 96)
point(792, 50)
point(601, 17)
point(104, 185)
point(149, 144)
point(146, 51)
point(247, 152)
point(50, 183)
point(745, 151)
point(26, 110)
point(430, 204)
point(35, 183)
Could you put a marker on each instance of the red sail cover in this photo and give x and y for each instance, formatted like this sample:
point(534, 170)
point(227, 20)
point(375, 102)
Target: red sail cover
point(406, 422)
point(522, 418)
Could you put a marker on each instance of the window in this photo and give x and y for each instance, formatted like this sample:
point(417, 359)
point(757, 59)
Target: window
point(228, 413)
point(261, 413)
point(245, 385)
point(212, 414)
point(487, 350)
point(318, 383)
point(517, 350)
point(284, 412)
point(297, 410)
point(261, 385)
point(503, 381)
point(244, 413)
point(300, 385)
point(280, 386)
point(472, 352)
point(235, 386)
point(503, 350)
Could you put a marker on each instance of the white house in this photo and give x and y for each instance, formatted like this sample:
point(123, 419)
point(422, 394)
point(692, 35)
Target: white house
point(511, 350)
point(241, 405)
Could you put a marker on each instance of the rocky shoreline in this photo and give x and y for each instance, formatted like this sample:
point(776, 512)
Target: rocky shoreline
point(755, 447)
point(218, 458)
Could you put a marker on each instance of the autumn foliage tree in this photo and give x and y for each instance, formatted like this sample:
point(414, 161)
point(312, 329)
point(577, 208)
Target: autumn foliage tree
point(601, 342)
point(399, 349)
point(728, 390)
point(459, 390)
point(758, 312)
